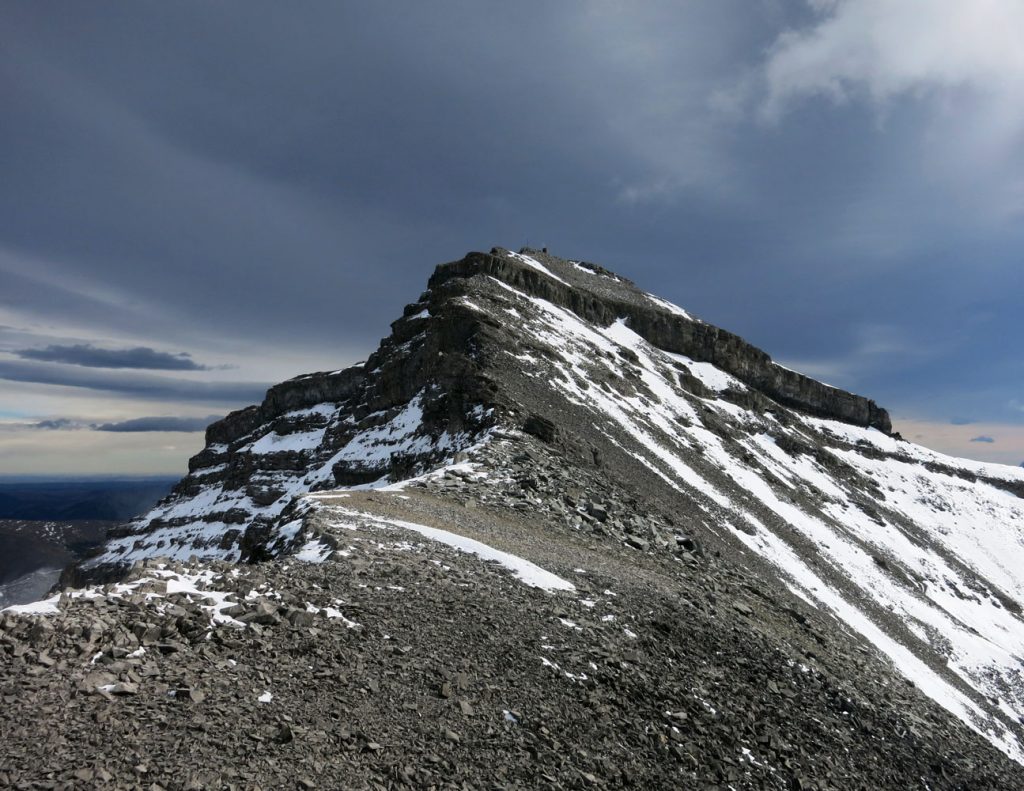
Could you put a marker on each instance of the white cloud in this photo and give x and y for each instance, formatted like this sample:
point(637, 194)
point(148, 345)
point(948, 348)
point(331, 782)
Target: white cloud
point(887, 48)
point(960, 63)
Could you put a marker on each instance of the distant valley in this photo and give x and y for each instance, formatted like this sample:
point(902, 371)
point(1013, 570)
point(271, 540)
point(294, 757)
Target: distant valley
point(45, 525)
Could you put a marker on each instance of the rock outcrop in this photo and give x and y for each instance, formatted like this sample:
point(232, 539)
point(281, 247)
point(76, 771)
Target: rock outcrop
point(600, 297)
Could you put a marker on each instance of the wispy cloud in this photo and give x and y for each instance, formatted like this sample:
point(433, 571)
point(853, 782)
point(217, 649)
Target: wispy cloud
point(956, 67)
point(89, 356)
point(185, 424)
point(880, 50)
point(146, 386)
point(982, 438)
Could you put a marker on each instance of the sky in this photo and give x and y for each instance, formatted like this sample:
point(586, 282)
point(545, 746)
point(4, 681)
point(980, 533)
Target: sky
point(201, 199)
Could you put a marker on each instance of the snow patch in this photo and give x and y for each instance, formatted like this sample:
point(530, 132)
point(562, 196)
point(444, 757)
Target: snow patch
point(313, 552)
point(670, 307)
point(528, 573)
point(535, 264)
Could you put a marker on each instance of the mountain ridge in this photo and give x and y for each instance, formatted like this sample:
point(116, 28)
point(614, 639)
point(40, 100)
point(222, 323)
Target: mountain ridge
point(548, 411)
point(664, 324)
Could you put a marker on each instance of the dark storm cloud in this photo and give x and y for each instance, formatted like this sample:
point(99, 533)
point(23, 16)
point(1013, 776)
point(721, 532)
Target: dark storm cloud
point(160, 424)
point(262, 176)
point(93, 357)
point(982, 439)
point(310, 192)
point(146, 386)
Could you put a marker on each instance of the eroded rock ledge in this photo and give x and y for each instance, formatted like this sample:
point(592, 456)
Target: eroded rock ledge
point(598, 296)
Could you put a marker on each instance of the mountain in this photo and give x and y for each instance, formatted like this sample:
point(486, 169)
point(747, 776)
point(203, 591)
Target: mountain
point(496, 339)
point(554, 532)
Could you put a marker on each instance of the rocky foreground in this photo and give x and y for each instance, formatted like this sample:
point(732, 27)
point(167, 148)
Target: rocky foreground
point(380, 658)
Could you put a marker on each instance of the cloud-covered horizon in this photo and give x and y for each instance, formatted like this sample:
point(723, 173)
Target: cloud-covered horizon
point(55, 424)
point(152, 423)
point(838, 182)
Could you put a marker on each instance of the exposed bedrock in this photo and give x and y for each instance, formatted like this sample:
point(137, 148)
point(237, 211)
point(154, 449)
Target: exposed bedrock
point(614, 298)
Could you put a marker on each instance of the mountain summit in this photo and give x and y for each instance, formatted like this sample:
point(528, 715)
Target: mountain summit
point(557, 532)
point(498, 339)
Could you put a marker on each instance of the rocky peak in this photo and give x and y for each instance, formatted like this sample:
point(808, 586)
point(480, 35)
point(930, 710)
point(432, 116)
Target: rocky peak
point(434, 387)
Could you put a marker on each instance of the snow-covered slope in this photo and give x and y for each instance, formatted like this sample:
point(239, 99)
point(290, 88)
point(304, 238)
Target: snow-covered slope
point(919, 554)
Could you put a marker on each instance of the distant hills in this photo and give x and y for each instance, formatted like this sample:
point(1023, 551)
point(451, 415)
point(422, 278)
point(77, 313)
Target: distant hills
point(109, 500)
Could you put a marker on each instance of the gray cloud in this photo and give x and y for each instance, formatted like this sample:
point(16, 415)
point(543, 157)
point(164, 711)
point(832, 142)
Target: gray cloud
point(960, 421)
point(160, 424)
point(90, 356)
point(56, 424)
point(982, 439)
point(46, 424)
point(146, 386)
